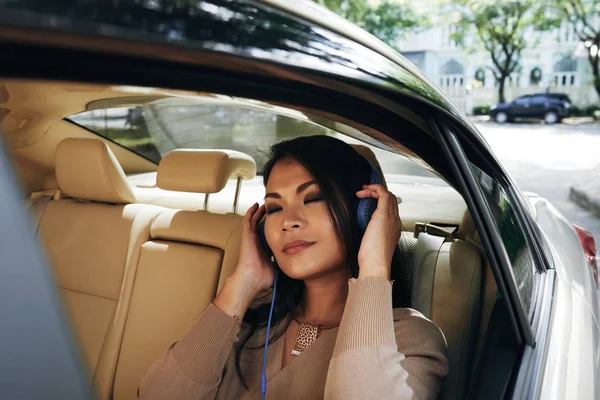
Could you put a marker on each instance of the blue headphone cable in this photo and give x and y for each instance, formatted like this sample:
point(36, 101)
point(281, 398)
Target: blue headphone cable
point(263, 376)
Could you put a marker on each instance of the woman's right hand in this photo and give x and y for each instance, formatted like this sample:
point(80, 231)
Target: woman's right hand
point(254, 265)
point(253, 273)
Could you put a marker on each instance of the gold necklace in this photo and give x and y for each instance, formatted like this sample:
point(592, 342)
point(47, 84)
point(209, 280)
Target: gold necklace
point(307, 334)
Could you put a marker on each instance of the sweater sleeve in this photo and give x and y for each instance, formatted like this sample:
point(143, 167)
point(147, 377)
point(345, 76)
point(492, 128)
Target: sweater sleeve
point(383, 353)
point(192, 368)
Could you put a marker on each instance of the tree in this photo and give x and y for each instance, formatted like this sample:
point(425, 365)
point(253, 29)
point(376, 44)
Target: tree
point(388, 21)
point(500, 28)
point(584, 16)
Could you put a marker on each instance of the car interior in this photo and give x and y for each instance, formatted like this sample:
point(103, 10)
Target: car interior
point(136, 196)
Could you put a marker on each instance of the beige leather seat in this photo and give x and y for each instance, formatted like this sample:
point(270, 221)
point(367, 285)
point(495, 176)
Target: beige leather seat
point(93, 241)
point(454, 295)
point(134, 277)
point(183, 264)
point(452, 298)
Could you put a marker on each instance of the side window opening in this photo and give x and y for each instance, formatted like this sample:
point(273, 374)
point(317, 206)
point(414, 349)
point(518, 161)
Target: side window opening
point(517, 249)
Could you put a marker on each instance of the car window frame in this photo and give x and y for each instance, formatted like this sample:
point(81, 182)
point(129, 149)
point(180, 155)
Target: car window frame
point(530, 368)
point(449, 134)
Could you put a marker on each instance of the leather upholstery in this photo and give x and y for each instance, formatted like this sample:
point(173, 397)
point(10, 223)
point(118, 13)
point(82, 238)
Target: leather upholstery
point(135, 277)
point(94, 249)
point(456, 304)
point(203, 171)
point(87, 169)
point(490, 289)
point(467, 226)
point(221, 231)
point(456, 309)
point(180, 271)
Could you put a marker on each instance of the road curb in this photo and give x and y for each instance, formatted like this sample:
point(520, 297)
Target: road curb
point(585, 201)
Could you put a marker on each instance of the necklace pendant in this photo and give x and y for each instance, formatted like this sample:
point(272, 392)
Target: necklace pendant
point(307, 334)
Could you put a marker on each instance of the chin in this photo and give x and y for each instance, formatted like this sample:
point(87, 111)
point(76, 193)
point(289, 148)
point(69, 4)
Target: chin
point(307, 269)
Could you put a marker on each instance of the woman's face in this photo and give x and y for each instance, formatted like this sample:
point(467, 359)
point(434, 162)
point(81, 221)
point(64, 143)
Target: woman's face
point(298, 227)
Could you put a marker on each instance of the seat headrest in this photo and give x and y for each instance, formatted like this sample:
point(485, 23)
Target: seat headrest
point(467, 227)
point(203, 171)
point(87, 169)
point(369, 155)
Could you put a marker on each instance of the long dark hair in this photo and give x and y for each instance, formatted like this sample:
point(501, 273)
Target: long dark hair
point(340, 172)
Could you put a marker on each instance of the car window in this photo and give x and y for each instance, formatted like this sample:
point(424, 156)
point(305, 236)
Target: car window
point(513, 237)
point(540, 99)
point(558, 96)
point(522, 100)
point(155, 128)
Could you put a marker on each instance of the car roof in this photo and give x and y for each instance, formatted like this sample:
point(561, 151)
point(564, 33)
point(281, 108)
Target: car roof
point(321, 42)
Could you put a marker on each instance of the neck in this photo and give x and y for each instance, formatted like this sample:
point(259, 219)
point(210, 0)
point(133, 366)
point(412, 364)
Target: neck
point(324, 299)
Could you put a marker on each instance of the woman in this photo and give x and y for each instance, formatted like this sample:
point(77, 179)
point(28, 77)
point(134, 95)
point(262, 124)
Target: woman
point(334, 332)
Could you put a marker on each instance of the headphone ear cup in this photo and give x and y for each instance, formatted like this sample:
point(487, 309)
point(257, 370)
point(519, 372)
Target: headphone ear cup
point(366, 208)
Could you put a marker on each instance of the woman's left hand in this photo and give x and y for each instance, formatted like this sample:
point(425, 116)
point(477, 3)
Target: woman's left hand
point(382, 234)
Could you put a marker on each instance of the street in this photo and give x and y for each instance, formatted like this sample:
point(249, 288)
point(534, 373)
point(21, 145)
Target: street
point(547, 160)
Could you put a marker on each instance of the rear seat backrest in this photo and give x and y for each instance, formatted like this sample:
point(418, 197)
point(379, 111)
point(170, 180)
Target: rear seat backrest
point(93, 241)
point(451, 299)
point(183, 266)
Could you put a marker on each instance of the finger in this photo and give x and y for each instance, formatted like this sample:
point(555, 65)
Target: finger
point(371, 191)
point(249, 214)
point(375, 186)
point(258, 216)
point(366, 193)
point(393, 204)
point(387, 201)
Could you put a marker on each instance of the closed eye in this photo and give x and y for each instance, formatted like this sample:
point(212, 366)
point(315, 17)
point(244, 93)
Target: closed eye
point(273, 210)
point(313, 199)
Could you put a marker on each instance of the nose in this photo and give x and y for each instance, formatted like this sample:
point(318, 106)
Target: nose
point(293, 219)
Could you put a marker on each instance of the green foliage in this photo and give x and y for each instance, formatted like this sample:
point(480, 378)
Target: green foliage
point(389, 20)
point(500, 28)
point(588, 111)
point(591, 110)
point(584, 17)
point(577, 111)
point(481, 110)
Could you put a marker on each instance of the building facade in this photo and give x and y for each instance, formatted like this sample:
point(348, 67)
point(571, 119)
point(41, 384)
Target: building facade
point(555, 61)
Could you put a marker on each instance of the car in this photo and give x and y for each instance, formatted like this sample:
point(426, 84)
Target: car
point(112, 242)
point(589, 246)
point(550, 107)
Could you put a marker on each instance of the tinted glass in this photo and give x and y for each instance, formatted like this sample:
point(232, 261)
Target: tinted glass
point(513, 237)
point(522, 100)
point(538, 99)
point(153, 129)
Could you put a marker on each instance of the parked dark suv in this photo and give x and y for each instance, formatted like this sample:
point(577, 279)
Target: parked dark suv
point(551, 107)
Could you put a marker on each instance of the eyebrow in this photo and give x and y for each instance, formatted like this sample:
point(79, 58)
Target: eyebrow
point(299, 190)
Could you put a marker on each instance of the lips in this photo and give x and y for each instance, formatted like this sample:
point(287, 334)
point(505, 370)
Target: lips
point(296, 246)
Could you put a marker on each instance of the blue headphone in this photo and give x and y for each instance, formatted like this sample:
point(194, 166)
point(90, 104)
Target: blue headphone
point(364, 212)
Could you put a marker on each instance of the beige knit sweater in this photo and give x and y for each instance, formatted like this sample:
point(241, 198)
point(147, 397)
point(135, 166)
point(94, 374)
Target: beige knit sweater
point(376, 353)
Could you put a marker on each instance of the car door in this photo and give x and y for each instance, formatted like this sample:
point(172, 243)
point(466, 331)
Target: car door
point(538, 105)
point(520, 107)
point(551, 319)
point(35, 339)
point(336, 75)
